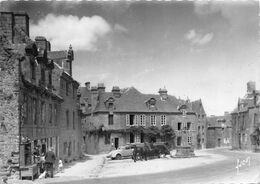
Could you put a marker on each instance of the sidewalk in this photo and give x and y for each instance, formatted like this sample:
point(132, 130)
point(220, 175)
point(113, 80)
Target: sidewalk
point(89, 167)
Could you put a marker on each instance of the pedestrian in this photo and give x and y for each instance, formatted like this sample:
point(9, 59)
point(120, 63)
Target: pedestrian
point(49, 162)
point(60, 166)
point(146, 148)
point(135, 153)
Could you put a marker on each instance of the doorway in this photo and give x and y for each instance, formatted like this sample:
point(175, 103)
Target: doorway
point(219, 142)
point(132, 138)
point(116, 142)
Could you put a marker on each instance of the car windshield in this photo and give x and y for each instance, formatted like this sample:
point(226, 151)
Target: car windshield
point(122, 147)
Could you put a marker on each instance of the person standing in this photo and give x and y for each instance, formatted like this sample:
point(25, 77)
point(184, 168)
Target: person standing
point(49, 162)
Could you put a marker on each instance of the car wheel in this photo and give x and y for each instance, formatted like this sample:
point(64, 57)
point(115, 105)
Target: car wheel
point(118, 157)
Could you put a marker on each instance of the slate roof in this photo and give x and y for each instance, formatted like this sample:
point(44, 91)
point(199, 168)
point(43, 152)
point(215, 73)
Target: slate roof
point(131, 100)
point(213, 121)
point(246, 102)
point(56, 55)
point(197, 107)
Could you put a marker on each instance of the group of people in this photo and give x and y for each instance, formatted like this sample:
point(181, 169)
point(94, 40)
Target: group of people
point(46, 162)
point(140, 153)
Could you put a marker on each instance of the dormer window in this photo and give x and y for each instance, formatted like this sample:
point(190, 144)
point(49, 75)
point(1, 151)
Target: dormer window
point(109, 103)
point(151, 103)
point(183, 109)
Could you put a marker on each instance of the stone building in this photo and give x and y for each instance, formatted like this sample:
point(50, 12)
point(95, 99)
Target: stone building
point(122, 116)
point(197, 106)
point(32, 99)
point(219, 130)
point(245, 120)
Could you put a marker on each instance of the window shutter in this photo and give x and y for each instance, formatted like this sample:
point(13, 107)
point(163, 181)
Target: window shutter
point(135, 121)
point(127, 120)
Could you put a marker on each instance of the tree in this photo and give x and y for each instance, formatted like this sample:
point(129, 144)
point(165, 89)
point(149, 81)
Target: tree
point(169, 135)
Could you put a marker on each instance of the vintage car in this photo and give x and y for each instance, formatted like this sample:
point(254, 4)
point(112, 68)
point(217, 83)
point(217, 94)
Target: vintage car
point(122, 152)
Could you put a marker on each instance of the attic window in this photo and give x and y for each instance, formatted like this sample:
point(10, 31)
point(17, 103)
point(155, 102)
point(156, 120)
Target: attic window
point(151, 103)
point(110, 103)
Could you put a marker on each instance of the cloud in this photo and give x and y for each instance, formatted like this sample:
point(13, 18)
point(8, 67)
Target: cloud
point(83, 33)
point(120, 28)
point(237, 13)
point(198, 39)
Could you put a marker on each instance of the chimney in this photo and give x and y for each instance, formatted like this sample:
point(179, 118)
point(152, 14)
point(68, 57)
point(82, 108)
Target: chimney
point(87, 85)
point(48, 46)
point(7, 25)
point(101, 87)
point(250, 87)
point(163, 93)
point(21, 20)
point(94, 97)
point(67, 64)
point(116, 91)
point(41, 42)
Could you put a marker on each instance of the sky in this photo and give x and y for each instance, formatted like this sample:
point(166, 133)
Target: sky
point(196, 50)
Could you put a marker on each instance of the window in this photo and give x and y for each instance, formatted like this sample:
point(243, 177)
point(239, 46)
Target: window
point(189, 140)
point(202, 128)
point(67, 88)
point(74, 145)
point(127, 120)
point(178, 140)
point(110, 105)
point(198, 128)
point(42, 112)
point(55, 114)
point(50, 78)
point(34, 113)
point(65, 148)
point(179, 125)
point(132, 120)
point(42, 75)
point(188, 125)
point(202, 140)
point(50, 113)
point(163, 120)
point(137, 138)
point(67, 118)
point(73, 92)
point(50, 141)
point(110, 119)
point(142, 120)
point(153, 120)
point(33, 71)
point(73, 120)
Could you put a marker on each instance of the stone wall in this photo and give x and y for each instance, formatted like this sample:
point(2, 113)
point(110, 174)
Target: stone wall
point(9, 94)
point(96, 144)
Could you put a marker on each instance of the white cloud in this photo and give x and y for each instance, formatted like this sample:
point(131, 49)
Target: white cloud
point(83, 33)
point(198, 39)
point(120, 28)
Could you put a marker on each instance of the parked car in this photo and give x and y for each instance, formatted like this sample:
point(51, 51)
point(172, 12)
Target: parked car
point(122, 152)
